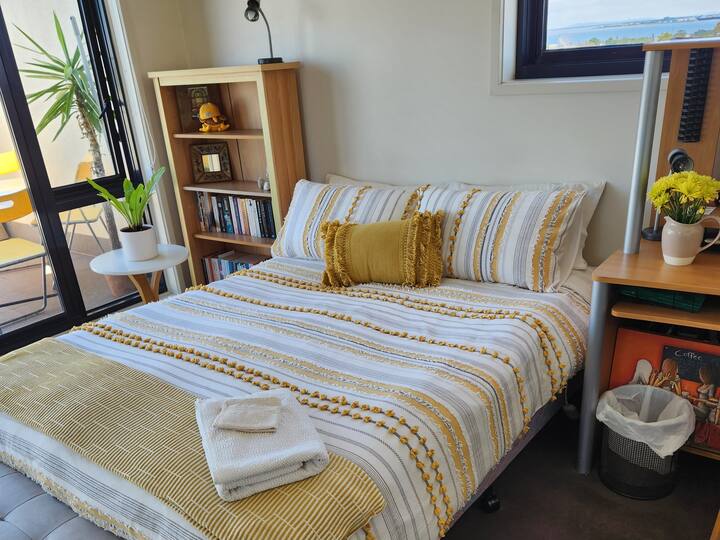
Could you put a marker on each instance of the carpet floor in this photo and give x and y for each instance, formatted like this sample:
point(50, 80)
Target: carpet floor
point(543, 497)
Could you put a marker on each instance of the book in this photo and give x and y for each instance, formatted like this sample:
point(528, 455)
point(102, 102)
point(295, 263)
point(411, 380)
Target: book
point(244, 216)
point(206, 269)
point(253, 217)
point(238, 212)
point(201, 211)
point(261, 218)
point(273, 233)
point(221, 265)
point(227, 218)
point(215, 213)
point(234, 216)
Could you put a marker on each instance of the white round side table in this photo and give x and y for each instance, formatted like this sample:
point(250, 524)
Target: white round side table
point(113, 263)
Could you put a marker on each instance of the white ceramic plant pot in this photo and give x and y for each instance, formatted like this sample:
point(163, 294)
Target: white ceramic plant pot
point(139, 245)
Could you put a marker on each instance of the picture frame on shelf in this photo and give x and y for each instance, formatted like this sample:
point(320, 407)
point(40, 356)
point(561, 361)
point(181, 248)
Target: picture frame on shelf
point(689, 368)
point(189, 100)
point(210, 162)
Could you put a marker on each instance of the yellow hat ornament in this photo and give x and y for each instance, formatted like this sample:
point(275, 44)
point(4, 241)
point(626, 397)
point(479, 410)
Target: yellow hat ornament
point(211, 118)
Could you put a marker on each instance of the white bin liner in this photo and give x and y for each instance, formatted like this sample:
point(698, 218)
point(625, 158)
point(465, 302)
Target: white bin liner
point(654, 416)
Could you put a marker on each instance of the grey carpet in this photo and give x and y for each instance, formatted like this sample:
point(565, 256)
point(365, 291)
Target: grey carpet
point(544, 498)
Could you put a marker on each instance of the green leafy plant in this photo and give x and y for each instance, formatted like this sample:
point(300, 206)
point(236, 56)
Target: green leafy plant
point(71, 93)
point(133, 206)
point(69, 86)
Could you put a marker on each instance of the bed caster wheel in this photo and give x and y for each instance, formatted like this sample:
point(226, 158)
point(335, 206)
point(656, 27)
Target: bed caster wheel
point(488, 501)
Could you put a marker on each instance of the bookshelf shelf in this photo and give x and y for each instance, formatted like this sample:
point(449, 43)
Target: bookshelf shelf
point(238, 187)
point(262, 106)
point(708, 317)
point(237, 134)
point(262, 244)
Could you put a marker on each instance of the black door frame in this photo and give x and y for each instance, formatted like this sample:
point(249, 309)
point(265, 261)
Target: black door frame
point(48, 202)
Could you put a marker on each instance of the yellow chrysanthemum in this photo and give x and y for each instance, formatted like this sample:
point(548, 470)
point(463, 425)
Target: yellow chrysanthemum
point(683, 195)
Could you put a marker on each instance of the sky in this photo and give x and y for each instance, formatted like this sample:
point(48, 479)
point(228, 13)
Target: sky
point(563, 13)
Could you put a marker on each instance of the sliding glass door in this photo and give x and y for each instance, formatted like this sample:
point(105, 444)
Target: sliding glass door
point(64, 122)
point(27, 287)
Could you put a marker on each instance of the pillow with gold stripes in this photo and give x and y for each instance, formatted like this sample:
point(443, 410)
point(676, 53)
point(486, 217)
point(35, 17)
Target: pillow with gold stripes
point(523, 238)
point(314, 203)
point(403, 252)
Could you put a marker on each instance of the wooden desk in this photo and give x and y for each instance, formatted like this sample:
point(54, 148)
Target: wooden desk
point(644, 269)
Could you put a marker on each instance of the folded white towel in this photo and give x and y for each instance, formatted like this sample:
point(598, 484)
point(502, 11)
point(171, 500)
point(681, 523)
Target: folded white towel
point(258, 413)
point(242, 464)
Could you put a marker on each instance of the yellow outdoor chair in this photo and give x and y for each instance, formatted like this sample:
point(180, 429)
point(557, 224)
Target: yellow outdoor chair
point(18, 250)
point(89, 215)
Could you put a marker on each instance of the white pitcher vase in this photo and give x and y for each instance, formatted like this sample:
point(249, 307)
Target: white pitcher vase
point(681, 241)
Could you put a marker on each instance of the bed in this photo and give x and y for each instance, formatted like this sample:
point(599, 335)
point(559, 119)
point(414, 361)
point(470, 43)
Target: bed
point(429, 391)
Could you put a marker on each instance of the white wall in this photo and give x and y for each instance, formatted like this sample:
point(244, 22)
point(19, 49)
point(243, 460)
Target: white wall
point(151, 36)
point(400, 91)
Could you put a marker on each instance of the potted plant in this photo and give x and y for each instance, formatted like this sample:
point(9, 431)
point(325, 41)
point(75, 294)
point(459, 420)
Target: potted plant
point(138, 239)
point(682, 198)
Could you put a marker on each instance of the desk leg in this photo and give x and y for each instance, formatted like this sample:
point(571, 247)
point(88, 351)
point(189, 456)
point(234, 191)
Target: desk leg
point(149, 290)
point(591, 381)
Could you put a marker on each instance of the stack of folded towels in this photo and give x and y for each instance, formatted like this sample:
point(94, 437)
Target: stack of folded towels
point(258, 442)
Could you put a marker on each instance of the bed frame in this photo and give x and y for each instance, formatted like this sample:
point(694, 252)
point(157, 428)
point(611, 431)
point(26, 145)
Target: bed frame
point(485, 497)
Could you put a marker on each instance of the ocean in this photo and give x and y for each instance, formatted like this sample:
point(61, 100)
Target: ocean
point(577, 36)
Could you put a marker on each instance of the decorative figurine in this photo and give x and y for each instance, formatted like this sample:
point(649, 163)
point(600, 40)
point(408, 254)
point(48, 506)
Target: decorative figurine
point(211, 118)
point(263, 183)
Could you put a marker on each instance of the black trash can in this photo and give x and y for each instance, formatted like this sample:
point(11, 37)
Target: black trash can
point(643, 427)
point(633, 469)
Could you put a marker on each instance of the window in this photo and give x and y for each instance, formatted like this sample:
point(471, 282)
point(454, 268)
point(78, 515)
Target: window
point(580, 38)
point(47, 48)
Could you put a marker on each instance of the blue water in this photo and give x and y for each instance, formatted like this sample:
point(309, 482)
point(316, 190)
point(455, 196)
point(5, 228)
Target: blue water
point(577, 36)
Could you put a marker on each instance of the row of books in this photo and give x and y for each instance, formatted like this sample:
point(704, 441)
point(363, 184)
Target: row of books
point(221, 265)
point(235, 215)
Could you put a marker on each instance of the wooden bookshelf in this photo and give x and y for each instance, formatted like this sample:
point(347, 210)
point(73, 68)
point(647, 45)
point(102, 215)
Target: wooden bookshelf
point(261, 104)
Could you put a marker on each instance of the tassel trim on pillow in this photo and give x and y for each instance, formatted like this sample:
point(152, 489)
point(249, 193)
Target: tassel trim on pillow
point(335, 274)
point(420, 251)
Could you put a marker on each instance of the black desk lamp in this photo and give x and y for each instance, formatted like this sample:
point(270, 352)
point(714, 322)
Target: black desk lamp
point(252, 13)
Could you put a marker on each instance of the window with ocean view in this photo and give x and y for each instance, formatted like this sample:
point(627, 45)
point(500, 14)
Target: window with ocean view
point(594, 23)
point(585, 38)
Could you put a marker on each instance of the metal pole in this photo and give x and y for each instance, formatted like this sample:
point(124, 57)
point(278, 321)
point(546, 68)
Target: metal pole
point(652, 75)
point(591, 380)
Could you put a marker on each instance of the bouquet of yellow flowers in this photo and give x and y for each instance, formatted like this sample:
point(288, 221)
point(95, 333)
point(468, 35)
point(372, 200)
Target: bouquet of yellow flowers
point(683, 196)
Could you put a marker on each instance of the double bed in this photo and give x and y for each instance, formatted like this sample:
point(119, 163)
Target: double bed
point(429, 391)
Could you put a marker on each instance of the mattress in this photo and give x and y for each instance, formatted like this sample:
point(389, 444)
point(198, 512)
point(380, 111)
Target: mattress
point(425, 389)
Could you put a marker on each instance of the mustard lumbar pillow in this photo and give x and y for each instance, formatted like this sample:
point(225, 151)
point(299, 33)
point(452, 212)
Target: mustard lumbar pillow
point(404, 252)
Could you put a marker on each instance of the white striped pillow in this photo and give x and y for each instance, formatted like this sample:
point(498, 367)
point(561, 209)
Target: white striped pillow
point(314, 203)
point(523, 238)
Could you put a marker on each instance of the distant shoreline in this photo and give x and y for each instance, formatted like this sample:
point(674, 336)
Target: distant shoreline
point(634, 32)
point(638, 22)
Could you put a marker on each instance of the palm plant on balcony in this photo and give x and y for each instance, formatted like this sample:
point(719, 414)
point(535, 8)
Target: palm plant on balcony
point(71, 95)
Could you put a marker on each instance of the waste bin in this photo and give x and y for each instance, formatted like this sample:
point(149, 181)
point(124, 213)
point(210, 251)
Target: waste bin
point(643, 427)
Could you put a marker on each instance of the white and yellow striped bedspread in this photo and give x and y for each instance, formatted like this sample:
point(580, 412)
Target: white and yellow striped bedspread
point(424, 389)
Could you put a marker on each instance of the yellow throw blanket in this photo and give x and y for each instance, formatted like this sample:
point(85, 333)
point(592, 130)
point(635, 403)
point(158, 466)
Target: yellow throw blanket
point(144, 430)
